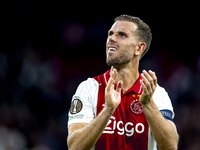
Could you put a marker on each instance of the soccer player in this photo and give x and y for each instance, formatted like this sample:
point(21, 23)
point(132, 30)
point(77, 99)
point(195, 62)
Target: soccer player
point(123, 109)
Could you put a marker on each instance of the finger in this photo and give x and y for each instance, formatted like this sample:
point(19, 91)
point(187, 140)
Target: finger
point(119, 86)
point(146, 82)
point(111, 68)
point(113, 74)
point(153, 75)
point(145, 91)
point(110, 84)
point(111, 80)
point(149, 78)
point(154, 79)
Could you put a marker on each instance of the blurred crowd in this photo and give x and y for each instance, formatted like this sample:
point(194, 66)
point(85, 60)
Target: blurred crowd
point(45, 53)
point(33, 102)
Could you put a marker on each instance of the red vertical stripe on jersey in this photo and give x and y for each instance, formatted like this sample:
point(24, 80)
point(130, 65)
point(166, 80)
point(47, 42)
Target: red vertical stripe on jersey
point(127, 129)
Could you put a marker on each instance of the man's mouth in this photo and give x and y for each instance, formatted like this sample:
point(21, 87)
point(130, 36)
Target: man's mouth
point(112, 49)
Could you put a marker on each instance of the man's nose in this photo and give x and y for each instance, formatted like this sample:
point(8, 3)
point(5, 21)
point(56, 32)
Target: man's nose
point(112, 38)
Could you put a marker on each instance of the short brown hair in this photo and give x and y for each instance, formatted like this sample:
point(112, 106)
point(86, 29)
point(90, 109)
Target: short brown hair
point(143, 31)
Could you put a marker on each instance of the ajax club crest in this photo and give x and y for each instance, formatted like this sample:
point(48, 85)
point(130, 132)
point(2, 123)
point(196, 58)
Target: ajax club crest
point(136, 106)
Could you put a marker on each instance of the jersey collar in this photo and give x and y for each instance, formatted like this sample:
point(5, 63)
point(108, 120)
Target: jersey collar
point(136, 88)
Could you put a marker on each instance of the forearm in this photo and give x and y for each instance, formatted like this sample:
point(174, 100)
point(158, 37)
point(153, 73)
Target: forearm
point(87, 136)
point(162, 129)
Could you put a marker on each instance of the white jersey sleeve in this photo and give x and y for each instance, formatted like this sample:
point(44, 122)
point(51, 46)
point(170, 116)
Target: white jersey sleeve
point(84, 102)
point(162, 100)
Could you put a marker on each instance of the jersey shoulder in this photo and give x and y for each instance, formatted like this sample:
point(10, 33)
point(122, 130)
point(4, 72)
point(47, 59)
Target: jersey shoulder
point(84, 102)
point(103, 79)
point(87, 91)
point(88, 84)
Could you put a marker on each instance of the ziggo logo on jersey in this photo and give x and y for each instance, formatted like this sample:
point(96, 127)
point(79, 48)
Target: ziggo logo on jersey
point(128, 127)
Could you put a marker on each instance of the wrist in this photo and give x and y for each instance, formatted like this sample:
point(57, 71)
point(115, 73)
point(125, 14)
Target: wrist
point(148, 104)
point(109, 110)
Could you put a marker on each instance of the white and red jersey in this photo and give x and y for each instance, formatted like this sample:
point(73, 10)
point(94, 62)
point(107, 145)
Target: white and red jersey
point(127, 128)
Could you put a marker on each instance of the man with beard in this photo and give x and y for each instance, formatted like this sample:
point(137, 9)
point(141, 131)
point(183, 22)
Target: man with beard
point(123, 109)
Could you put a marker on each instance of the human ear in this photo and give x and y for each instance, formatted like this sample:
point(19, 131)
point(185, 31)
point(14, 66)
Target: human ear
point(140, 48)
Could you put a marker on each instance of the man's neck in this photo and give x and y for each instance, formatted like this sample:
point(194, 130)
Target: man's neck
point(128, 74)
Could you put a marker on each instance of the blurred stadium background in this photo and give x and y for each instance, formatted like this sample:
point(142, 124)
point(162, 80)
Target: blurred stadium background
point(48, 47)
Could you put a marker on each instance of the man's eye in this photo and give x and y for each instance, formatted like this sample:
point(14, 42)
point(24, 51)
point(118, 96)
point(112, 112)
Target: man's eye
point(122, 34)
point(110, 33)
